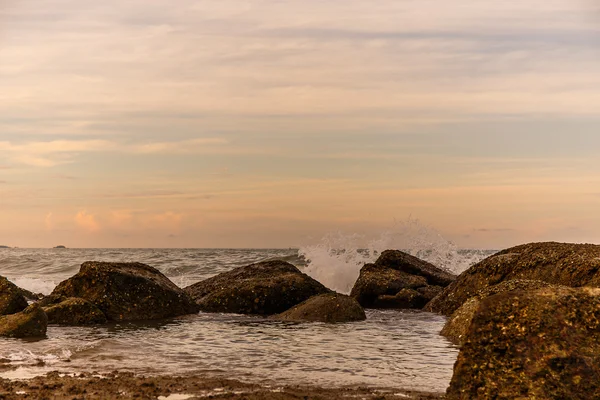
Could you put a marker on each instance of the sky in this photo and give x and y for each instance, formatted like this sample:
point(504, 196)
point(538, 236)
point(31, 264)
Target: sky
point(270, 123)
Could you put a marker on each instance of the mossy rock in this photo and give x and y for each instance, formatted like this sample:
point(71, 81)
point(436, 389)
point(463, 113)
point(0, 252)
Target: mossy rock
point(458, 324)
point(573, 265)
point(127, 291)
point(74, 311)
point(264, 288)
point(328, 307)
point(11, 298)
point(29, 323)
point(537, 344)
point(399, 280)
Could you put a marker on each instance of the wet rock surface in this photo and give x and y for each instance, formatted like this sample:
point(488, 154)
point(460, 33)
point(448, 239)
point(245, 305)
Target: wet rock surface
point(399, 280)
point(458, 324)
point(128, 386)
point(264, 288)
point(329, 307)
point(74, 311)
point(29, 323)
point(11, 298)
point(572, 265)
point(540, 344)
point(127, 291)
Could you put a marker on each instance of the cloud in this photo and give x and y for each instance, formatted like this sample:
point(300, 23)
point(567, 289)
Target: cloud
point(181, 147)
point(53, 153)
point(87, 221)
point(170, 221)
point(48, 222)
point(493, 230)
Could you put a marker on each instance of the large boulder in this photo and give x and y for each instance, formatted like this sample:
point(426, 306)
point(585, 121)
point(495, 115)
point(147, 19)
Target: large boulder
point(564, 264)
point(127, 291)
point(399, 280)
point(11, 298)
point(72, 311)
point(458, 324)
point(29, 323)
point(264, 288)
point(328, 307)
point(540, 344)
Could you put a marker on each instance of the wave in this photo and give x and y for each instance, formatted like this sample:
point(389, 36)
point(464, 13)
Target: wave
point(336, 261)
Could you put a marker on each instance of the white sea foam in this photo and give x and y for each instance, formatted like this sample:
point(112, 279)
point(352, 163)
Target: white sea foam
point(34, 285)
point(337, 260)
point(27, 357)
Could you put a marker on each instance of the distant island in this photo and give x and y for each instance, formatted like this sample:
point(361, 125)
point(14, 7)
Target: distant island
point(60, 247)
point(4, 247)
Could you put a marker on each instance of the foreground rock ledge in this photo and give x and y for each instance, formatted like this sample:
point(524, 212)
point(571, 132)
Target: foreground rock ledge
point(542, 344)
point(125, 386)
point(566, 264)
point(329, 308)
point(127, 291)
point(264, 288)
point(399, 280)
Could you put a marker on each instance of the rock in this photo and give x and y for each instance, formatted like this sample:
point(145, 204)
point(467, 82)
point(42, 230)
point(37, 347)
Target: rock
point(541, 344)
point(429, 292)
point(127, 291)
point(405, 298)
point(458, 324)
point(29, 323)
point(328, 307)
point(564, 264)
point(30, 295)
point(399, 280)
point(264, 288)
point(74, 311)
point(11, 298)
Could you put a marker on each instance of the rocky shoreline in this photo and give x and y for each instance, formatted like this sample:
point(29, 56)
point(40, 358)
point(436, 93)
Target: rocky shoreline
point(125, 386)
point(527, 319)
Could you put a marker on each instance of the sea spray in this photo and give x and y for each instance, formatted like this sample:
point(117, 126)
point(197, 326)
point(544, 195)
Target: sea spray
point(336, 261)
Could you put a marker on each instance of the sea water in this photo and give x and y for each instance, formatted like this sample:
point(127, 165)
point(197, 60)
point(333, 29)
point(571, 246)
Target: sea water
point(392, 348)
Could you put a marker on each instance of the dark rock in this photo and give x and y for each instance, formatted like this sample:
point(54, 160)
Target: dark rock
point(564, 264)
point(328, 307)
point(401, 261)
point(405, 298)
point(430, 291)
point(399, 280)
point(11, 298)
point(30, 295)
point(127, 291)
point(74, 311)
point(541, 344)
point(29, 323)
point(458, 324)
point(264, 288)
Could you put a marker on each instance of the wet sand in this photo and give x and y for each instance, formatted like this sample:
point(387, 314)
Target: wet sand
point(56, 386)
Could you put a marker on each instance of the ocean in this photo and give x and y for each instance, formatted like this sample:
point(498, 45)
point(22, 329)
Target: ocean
point(391, 349)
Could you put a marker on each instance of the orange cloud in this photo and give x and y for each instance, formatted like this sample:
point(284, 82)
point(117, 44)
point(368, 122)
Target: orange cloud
point(87, 221)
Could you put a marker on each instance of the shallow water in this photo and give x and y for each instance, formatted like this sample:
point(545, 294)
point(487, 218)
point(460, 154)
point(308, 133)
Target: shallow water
point(390, 349)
